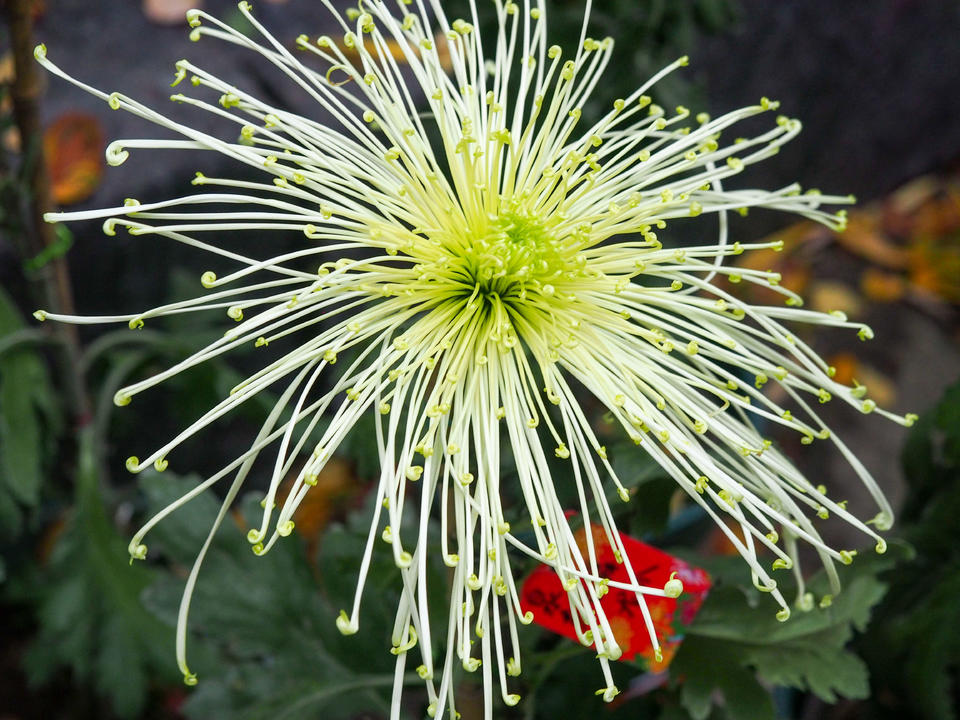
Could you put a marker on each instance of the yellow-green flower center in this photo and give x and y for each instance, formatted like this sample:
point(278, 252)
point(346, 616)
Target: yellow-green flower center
point(515, 250)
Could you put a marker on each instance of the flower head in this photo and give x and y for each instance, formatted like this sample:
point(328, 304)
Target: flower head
point(477, 256)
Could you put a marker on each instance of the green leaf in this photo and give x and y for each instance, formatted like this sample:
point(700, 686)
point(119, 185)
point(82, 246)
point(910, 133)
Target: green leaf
point(20, 432)
point(818, 663)
point(11, 519)
point(262, 634)
point(736, 640)
point(932, 665)
point(26, 415)
point(727, 616)
point(91, 619)
point(913, 652)
point(710, 665)
point(931, 456)
point(122, 674)
point(563, 680)
point(715, 14)
point(651, 513)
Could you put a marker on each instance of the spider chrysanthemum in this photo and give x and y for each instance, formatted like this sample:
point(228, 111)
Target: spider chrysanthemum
point(477, 256)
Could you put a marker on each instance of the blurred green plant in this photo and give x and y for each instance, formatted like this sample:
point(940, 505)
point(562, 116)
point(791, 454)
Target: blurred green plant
point(650, 34)
point(30, 420)
point(736, 649)
point(265, 643)
point(88, 605)
point(87, 598)
point(264, 638)
point(913, 647)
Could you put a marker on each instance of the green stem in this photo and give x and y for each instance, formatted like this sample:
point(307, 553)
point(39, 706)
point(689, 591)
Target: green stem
point(546, 664)
point(28, 336)
point(51, 281)
point(328, 691)
point(108, 341)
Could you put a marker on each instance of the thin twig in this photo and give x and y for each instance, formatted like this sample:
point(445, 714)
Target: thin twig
point(51, 281)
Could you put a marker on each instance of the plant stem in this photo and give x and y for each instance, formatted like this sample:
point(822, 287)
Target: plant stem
point(27, 336)
point(51, 281)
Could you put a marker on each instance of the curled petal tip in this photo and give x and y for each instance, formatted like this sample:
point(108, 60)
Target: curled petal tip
point(674, 586)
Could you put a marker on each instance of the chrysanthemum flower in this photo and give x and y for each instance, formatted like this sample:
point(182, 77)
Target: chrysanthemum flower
point(477, 257)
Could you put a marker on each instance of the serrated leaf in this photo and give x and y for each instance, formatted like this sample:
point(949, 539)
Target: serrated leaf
point(710, 666)
point(25, 408)
point(818, 663)
point(20, 434)
point(91, 619)
point(727, 616)
point(912, 650)
point(121, 673)
point(808, 652)
point(263, 639)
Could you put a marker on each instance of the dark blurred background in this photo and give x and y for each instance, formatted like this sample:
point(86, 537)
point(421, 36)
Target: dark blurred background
point(877, 86)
